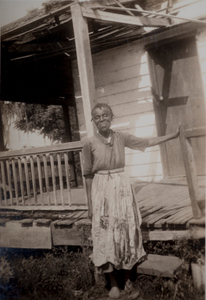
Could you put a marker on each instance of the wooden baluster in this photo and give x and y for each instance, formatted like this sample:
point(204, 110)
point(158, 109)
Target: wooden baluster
point(83, 178)
point(67, 177)
point(27, 179)
point(46, 177)
point(15, 181)
point(9, 180)
point(53, 178)
point(33, 179)
point(21, 180)
point(40, 179)
point(1, 188)
point(60, 177)
point(4, 182)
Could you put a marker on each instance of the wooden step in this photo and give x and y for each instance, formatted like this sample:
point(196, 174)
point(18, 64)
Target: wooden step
point(159, 265)
point(25, 234)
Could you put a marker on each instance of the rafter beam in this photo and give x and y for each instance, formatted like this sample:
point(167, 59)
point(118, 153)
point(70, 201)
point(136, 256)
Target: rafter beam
point(167, 16)
point(98, 14)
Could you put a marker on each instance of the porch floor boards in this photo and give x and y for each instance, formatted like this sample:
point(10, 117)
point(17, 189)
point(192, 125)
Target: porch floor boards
point(77, 196)
point(164, 206)
point(165, 209)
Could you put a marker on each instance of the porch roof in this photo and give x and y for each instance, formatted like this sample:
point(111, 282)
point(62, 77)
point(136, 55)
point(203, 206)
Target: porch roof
point(49, 31)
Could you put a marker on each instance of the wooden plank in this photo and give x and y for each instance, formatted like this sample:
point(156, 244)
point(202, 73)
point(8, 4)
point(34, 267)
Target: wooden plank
point(27, 179)
point(66, 236)
point(139, 108)
point(15, 181)
point(9, 180)
point(40, 178)
point(21, 179)
point(131, 97)
point(164, 219)
point(101, 15)
point(84, 60)
point(65, 222)
point(72, 207)
point(181, 214)
point(111, 17)
point(42, 222)
point(4, 182)
point(79, 215)
point(147, 212)
point(27, 222)
point(195, 132)
point(125, 9)
point(155, 14)
point(190, 169)
point(109, 56)
point(165, 235)
point(174, 219)
point(13, 235)
point(159, 265)
point(46, 177)
point(111, 72)
point(85, 221)
point(74, 146)
point(95, 3)
point(33, 179)
point(53, 178)
point(153, 218)
point(67, 177)
point(60, 178)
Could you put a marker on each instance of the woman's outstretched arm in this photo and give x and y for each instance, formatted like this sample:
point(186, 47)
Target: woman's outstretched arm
point(153, 141)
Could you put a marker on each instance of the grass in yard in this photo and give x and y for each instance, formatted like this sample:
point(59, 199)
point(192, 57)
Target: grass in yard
point(68, 274)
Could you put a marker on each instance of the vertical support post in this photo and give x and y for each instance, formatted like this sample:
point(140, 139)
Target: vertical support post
point(2, 147)
point(191, 173)
point(84, 62)
point(69, 139)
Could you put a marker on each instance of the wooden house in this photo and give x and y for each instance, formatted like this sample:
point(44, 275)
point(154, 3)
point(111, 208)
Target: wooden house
point(147, 60)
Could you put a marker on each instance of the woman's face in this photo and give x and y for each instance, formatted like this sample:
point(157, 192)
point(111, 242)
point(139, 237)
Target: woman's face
point(102, 119)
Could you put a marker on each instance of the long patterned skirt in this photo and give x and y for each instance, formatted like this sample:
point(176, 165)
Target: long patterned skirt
point(116, 222)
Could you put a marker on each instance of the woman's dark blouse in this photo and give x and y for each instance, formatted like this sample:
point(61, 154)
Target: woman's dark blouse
point(98, 154)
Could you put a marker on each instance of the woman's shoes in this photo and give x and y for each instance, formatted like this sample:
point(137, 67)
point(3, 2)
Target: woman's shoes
point(114, 293)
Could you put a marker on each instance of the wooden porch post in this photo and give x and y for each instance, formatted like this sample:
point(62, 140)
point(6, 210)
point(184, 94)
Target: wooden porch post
point(191, 174)
point(84, 62)
point(2, 148)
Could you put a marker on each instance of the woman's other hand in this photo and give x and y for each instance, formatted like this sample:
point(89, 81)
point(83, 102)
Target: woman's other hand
point(90, 211)
point(89, 179)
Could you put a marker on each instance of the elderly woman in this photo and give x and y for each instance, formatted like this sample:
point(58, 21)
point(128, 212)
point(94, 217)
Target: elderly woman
point(116, 220)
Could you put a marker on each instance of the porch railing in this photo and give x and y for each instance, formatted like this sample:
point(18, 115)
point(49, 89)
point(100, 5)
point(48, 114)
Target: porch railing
point(48, 178)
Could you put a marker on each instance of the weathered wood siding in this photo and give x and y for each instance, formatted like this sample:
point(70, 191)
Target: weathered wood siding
point(201, 47)
point(122, 80)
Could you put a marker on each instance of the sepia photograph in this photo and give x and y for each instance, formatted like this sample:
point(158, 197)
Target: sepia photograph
point(102, 149)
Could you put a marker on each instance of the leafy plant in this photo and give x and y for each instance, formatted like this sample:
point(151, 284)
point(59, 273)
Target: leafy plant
point(6, 272)
point(189, 250)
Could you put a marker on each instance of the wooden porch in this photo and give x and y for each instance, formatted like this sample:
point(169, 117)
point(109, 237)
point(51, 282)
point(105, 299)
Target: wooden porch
point(41, 206)
point(165, 208)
